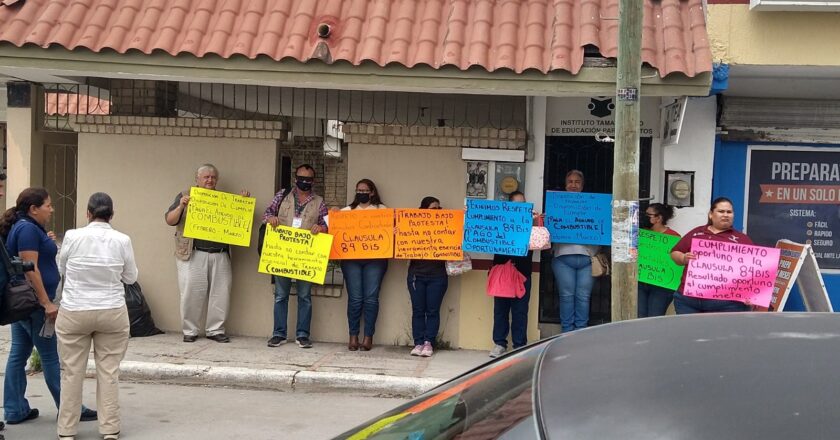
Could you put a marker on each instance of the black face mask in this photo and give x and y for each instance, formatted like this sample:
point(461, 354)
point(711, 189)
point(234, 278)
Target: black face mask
point(644, 222)
point(303, 186)
point(363, 198)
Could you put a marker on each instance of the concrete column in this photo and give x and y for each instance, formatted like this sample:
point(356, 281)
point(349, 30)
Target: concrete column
point(25, 148)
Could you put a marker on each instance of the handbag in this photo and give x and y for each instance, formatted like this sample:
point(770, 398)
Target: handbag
point(504, 281)
point(458, 267)
point(600, 265)
point(540, 237)
point(19, 298)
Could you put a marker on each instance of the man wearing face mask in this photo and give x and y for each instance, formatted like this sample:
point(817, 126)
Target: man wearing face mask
point(296, 208)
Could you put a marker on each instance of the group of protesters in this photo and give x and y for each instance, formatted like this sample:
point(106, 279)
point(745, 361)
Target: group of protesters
point(95, 261)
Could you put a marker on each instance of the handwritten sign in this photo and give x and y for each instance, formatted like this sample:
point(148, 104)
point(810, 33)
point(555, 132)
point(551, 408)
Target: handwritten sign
point(655, 264)
point(362, 234)
point(495, 227)
point(429, 234)
point(295, 253)
point(732, 271)
point(219, 216)
point(578, 218)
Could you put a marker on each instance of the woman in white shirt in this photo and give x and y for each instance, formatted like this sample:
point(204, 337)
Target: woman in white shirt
point(363, 277)
point(95, 261)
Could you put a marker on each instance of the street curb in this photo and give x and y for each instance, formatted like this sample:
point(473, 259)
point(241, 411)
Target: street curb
point(282, 380)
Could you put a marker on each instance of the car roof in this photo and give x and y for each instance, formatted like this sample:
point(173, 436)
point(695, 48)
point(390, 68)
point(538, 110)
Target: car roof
point(736, 375)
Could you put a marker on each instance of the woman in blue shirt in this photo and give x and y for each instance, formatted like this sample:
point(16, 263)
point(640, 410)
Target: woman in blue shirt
point(23, 227)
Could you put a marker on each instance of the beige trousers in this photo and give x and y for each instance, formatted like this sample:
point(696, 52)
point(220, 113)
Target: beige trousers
point(204, 280)
point(108, 329)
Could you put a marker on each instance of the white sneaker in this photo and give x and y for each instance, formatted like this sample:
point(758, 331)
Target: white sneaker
point(497, 351)
point(427, 351)
point(417, 350)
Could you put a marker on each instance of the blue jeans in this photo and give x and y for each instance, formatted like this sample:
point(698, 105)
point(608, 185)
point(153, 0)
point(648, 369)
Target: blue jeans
point(282, 287)
point(653, 300)
point(24, 337)
point(511, 314)
point(684, 305)
point(573, 277)
point(363, 279)
point(426, 298)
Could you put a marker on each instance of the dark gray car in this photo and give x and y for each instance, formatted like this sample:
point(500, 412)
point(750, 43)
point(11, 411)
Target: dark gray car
point(712, 376)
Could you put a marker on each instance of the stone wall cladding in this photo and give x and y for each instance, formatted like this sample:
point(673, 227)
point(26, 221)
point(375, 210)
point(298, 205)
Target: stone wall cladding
point(491, 138)
point(194, 127)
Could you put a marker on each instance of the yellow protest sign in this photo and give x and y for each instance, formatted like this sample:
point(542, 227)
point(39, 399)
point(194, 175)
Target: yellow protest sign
point(429, 234)
point(295, 253)
point(362, 234)
point(219, 216)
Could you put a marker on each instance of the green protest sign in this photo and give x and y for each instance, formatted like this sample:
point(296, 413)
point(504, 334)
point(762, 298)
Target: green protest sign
point(655, 264)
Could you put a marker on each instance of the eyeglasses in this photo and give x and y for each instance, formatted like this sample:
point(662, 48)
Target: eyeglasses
point(363, 191)
point(305, 178)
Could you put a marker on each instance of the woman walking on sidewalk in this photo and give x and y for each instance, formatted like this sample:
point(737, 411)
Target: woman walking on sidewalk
point(427, 283)
point(95, 260)
point(23, 227)
point(363, 277)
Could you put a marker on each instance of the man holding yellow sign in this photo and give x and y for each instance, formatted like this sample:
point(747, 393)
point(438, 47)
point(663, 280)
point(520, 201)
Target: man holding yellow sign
point(297, 209)
point(202, 254)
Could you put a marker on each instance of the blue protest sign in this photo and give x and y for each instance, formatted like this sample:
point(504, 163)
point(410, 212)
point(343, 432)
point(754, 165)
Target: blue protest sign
point(495, 227)
point(579, 218)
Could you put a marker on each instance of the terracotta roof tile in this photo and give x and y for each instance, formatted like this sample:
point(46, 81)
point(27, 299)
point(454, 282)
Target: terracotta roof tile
point(519, 35)
point(69, 103)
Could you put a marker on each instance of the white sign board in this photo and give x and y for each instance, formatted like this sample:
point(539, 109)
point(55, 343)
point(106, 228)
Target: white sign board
point(672, 120)
point(595, 116)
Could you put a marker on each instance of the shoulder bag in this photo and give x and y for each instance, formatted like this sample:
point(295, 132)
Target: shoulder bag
point(19, 298)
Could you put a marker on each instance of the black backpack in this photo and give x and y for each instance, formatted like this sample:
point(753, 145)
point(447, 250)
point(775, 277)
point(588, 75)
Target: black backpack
point(17, 297)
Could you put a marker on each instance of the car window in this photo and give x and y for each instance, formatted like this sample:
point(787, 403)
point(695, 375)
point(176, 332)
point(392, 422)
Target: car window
point(495, 401)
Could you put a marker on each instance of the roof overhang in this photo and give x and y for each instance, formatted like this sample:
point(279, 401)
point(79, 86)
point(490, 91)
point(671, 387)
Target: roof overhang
point(590, 81)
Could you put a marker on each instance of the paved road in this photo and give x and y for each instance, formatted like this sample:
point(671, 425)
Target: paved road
point(161, 412)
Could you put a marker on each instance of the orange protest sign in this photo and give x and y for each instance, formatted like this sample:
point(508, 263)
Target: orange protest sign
point(362, 234)
point(429, 234)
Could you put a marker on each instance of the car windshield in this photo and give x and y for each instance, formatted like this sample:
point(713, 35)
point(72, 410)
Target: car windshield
point(494, 401)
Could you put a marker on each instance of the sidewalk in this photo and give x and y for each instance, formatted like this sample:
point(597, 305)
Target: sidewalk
point(248, 362)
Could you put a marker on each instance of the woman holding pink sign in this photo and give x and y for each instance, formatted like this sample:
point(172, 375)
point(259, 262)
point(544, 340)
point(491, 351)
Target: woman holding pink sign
point(719, 228)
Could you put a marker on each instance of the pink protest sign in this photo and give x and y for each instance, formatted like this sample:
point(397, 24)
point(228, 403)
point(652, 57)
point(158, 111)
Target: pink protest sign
point(732, 271)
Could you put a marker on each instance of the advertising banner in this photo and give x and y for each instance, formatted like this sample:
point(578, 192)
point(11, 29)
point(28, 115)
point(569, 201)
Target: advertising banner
point(794, 194)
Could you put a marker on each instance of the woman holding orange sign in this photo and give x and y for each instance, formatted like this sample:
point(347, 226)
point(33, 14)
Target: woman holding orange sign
point(363, 277)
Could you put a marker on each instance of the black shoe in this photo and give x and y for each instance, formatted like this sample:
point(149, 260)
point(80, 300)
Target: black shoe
point(190, 338)
point(88, 415)
point(33, 414)
point(304, 342)
point(221, 337)
point(276, 341)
